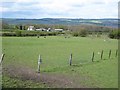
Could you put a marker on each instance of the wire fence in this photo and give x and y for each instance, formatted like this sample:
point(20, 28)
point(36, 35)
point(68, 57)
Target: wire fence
point(78, 59)
point(95, 56)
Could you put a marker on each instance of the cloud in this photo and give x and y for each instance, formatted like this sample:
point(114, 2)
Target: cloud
point(59, 8)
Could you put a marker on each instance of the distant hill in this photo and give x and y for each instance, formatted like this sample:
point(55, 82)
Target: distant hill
point(64, 21)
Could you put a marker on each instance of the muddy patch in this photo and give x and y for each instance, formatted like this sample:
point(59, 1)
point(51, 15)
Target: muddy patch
point(50, 79)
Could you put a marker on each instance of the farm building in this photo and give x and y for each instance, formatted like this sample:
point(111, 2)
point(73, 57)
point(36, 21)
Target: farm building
point(49, 29)
point(41, 29)
point(31, 28)
point(58, 30)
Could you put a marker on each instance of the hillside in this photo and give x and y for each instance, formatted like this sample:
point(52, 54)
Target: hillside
point(64, 21)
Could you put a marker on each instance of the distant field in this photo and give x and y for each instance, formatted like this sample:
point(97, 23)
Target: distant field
point(21, 57)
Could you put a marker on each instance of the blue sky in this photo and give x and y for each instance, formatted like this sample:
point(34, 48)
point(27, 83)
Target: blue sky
point(36, 9)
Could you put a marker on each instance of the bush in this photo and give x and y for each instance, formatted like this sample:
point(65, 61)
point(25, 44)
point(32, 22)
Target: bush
point(24, 33)
point(8, 34)
point(18, 33)
point(82, 33)
point(115, 34)
point(75, 34)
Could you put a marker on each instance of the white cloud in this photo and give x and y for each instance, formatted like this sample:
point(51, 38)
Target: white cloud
point(63, 8)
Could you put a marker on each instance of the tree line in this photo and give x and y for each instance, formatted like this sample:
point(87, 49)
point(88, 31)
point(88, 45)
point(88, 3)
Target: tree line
point(75, 30)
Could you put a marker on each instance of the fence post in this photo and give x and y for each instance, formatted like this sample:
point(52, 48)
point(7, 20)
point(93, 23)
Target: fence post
point(93, 56)
point(116, 54)
point(1, 59)
point(39, 62)
point(102, 55)
point(110, 54)
point(37, 36)
point(70, 60)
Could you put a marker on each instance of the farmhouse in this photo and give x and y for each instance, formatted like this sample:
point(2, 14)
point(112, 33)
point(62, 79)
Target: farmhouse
point(41, 29)
point(31, 28)
point(58, 30)
point(49, 29)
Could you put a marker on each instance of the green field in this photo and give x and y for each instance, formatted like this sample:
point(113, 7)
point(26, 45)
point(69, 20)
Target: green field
point(21, 57)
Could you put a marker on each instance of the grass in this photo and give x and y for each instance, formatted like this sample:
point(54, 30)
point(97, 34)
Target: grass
point(16, 83)
point(55, 52)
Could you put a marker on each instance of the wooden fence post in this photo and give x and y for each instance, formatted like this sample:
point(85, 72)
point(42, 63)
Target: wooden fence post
point(102, 55)
point(116, 54)
point(39, 62)
point(70, 60)
point(37, 36)
point(110, 54)
point(1, 59)
point(93, 56)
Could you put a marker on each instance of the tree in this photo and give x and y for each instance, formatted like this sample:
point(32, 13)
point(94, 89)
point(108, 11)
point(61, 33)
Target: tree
point(114, 34)
point(83, 33)
point(5, 25)
point(18, 33)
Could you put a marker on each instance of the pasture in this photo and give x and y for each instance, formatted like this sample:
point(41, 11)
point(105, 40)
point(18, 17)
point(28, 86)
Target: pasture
point(21, 58)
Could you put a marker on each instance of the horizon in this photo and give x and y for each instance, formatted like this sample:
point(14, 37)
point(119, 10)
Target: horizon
point(57, 18)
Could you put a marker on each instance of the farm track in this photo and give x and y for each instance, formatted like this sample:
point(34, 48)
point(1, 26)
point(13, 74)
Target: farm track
point(49, 79)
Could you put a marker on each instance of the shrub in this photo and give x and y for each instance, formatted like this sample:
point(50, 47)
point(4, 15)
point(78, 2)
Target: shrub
point(18, 33)
point(83, 33)
point(8, 34)
point(76, 34)
point(28, 33)
point(115, 34)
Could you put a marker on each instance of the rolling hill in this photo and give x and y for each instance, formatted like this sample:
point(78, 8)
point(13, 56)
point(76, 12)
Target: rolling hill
point(64, 21)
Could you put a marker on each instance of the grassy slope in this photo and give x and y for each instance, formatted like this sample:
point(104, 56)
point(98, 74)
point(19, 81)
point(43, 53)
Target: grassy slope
point(55, 53)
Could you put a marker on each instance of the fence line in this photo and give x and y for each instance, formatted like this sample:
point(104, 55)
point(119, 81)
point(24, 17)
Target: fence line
point(93, 56)
point(100, 55)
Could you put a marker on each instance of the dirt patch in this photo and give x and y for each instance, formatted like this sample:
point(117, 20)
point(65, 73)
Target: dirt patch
point(50, 79)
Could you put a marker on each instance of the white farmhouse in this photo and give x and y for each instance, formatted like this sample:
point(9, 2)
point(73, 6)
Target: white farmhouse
point(58, 30)
point(49, 29)
point(31, 28)
point(41, 29)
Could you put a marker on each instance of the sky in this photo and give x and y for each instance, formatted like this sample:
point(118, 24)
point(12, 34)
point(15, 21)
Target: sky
point(36, 9)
